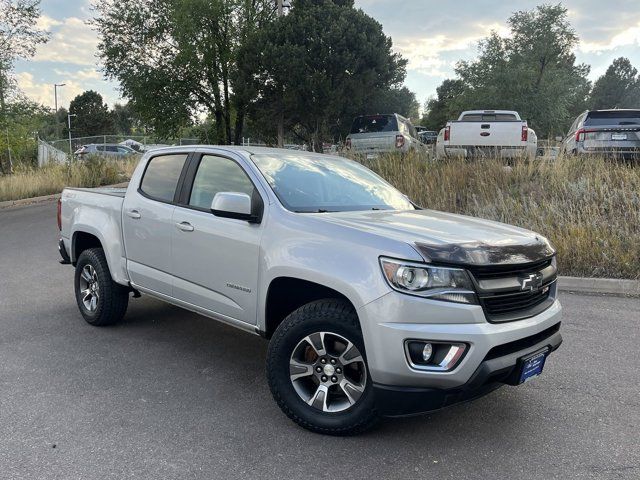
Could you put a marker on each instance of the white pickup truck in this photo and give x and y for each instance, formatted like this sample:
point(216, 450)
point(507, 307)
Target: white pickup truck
point(487, 133)
point(373, 306)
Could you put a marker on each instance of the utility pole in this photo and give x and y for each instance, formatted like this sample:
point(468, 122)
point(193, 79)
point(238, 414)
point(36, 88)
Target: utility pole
point(55, 93)
point(69, 123)
point(281, 102)
point(55, 114)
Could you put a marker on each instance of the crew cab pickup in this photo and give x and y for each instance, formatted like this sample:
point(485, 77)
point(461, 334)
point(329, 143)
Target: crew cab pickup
point(372, 305)
point(487, 133)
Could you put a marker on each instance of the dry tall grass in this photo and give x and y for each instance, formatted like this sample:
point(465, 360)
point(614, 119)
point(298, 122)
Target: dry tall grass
point(53, 178)
point(588, 208)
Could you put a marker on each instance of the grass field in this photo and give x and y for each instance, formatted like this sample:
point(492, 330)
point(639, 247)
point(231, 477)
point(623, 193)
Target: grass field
point(53, 178)
point(588, 208)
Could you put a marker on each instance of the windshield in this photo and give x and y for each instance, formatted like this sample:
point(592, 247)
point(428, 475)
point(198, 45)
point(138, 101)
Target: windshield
point(375, 123)
point(317, 183)
point(613, 117)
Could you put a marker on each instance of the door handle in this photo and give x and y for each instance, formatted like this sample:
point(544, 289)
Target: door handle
point(134, 214)
point(185, 226)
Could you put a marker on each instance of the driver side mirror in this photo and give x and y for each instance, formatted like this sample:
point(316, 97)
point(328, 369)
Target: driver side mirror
point(235, 205)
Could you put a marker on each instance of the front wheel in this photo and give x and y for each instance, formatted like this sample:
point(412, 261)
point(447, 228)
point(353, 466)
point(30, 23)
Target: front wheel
point(317, 370)
point(101, 300)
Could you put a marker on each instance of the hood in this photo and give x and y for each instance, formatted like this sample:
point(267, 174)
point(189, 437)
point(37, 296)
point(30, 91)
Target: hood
point(449, 238)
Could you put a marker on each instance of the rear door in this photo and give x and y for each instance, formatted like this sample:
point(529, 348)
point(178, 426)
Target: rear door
point(215, 259)
point(147, 222)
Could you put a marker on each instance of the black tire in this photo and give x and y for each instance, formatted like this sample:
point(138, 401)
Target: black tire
point(331, 315)
point(113, 299)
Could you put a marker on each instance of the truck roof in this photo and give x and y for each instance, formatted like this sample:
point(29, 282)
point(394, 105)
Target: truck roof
point(251, 150)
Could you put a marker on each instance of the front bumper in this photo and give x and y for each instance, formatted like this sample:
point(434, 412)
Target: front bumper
point(492, 373)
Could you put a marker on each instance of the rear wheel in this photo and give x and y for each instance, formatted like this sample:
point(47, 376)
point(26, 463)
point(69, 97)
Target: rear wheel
point(101, 300)
point(317, 370)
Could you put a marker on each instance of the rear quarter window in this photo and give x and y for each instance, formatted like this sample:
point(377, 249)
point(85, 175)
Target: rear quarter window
point(161, 176)
point(489, 117)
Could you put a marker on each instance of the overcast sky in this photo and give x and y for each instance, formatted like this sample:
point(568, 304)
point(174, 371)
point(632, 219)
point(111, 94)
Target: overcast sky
point(432, 35)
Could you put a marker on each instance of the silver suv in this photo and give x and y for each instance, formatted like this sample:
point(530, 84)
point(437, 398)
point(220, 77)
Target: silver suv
point(372, 135)
point(105, 149)
point(613, 133)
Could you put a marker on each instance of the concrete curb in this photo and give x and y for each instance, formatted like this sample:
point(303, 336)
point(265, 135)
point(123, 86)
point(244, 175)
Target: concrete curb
point(46, 198)
point(610, 286)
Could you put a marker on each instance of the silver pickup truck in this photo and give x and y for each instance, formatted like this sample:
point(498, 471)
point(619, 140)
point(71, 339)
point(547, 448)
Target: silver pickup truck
point(372, 305)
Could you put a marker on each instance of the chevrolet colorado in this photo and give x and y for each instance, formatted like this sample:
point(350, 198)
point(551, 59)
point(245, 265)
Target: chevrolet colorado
point(372, 305)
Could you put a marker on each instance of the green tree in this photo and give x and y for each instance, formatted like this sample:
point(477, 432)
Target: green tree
point(439, 110)
point(91, 115)
point(174, 59)
point(22, 120)
point(19, 37)
point(318, 66)
point(533, 71)
point(394, 100)
point(619, 87)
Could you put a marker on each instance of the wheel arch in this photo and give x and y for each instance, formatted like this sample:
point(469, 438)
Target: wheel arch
point(285, 294)
point(86, 236)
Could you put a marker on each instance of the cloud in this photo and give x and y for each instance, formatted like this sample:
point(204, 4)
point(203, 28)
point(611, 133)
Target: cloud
point(74, 84)
point(425, 55)
point(628, 36)
point(72, 41)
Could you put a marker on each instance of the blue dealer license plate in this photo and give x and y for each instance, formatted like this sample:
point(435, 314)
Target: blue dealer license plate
point(532, 366)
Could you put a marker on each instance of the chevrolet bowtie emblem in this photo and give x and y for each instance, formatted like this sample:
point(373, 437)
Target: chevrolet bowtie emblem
point(531, 282)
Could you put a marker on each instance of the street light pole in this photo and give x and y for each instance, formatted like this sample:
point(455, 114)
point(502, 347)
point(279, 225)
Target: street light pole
point(55, 93)
point(281, 102)
point(69, 123)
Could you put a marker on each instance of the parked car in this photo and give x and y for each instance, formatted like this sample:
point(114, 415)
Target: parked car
point(372, 135)
point(428, 137)
point(372, 305)
point(605, 132)
point(487, 133)
point(105, 149)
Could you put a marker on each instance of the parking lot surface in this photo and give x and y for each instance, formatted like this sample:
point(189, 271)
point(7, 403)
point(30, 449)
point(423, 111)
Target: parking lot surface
point(169, 394)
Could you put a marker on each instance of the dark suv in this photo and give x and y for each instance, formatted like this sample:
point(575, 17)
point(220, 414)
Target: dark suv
point(605, 132)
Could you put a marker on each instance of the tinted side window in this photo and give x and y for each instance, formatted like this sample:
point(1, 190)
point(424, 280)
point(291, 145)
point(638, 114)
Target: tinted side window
point(217, 174)
point(100, 148)
point(162, 175)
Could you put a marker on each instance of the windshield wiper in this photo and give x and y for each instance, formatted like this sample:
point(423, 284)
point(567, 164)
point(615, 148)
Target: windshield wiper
point(320, 210)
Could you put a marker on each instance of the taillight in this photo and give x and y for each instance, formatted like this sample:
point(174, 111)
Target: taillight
point(59, 215)
point(447, 133)
point(347, 144)
point(399, 141)
point(580, 135)
point(525, 133)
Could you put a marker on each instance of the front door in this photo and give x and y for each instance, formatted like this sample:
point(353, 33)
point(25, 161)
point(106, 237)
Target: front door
point(215, 259)
point(147, 223)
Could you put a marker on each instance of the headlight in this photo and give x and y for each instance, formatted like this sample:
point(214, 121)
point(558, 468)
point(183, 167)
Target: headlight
point(450, 284)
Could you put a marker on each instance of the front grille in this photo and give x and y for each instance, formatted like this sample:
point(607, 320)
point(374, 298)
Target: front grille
point(503, 295)
point(501, 271)
point(515, 302)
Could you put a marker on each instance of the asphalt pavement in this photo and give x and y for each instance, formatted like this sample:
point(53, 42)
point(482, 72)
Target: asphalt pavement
point(168, 394)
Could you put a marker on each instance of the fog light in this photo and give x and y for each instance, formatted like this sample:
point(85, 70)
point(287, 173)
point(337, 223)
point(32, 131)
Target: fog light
point(434, 356)
point(427, 351)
